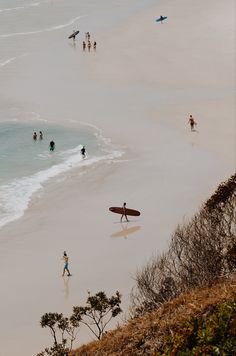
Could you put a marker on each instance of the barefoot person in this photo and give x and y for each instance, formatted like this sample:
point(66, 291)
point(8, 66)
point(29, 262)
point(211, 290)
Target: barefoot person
point(192, 122)
point(35, 136)
point(124, 213)
point(40, 135)
point(66, 264)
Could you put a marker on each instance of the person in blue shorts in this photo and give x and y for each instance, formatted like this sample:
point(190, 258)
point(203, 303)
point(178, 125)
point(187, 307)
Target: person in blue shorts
point(66, 264)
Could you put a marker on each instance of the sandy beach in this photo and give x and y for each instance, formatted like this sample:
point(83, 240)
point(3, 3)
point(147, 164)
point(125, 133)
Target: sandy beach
point(138, 88)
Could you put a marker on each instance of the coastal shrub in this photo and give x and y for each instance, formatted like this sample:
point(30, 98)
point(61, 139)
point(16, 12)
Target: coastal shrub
point(200, 251)
point(212, 333)
point(96, 315)
point(98, 312)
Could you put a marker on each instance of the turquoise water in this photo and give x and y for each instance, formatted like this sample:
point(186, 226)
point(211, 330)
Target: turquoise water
point(26, 164)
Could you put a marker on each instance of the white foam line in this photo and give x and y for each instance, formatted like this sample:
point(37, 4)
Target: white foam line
point(15, 197)
point(55, 28)
point(20, 7)
point(9, 60)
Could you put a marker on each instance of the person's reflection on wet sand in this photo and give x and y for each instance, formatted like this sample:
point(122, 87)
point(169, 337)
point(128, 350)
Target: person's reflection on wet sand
point(126, 231)
point(66, 287)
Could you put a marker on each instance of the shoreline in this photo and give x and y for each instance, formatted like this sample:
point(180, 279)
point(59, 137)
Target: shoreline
point(167, 172)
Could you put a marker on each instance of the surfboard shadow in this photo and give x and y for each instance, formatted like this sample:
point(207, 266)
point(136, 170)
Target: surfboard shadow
point(126, 231)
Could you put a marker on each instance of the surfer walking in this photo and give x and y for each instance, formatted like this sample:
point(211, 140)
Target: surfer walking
point(192, 122)
point(161, 18)
point(52, 145)
point(66, 264)
point(124, 213)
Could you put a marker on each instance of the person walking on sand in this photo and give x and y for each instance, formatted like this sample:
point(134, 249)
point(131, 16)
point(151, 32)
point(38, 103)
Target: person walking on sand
point(124, 213)
point(192, 122)
point(66, 264)
point(34, 136)
point(84, 46)
point(89, 45)
point(94, 45)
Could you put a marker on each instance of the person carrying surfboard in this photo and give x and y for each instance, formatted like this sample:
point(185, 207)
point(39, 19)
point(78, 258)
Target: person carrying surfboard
point(66, 261)
point(124, 213)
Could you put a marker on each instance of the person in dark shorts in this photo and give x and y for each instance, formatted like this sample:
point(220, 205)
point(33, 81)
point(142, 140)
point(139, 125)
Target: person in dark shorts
point(52, 145)
point(192, 122)
point(124, 213)
point(83, 152)
point(94, 45)
point(35, 136)
point(66, 264)
point(40, 135)
point(84, 46)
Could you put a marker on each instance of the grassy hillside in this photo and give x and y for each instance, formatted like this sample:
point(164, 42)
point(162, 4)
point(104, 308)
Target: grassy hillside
point(202, 321)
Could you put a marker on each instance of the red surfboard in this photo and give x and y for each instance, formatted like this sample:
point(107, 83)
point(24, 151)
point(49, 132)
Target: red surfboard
point(119, 210)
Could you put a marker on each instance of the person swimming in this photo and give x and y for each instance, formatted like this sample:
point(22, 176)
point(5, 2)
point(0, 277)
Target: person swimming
point(52, 145)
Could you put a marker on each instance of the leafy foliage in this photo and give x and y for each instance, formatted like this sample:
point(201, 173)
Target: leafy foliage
point(98, 312)
point(211, 334)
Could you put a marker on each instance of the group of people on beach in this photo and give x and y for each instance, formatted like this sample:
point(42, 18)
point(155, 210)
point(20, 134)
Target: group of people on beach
point(51, 143)
point(87, 43)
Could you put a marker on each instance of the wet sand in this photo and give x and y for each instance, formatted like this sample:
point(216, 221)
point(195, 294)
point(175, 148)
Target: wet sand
point(139, 88)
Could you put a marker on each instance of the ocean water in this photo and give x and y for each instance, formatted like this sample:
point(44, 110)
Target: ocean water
point(26, 165)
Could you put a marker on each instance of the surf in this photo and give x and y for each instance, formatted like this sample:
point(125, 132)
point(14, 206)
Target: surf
point(26, 166)
point(49, 29)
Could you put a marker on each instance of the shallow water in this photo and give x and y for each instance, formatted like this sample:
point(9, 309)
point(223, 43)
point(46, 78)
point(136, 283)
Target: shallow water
point(26, 164)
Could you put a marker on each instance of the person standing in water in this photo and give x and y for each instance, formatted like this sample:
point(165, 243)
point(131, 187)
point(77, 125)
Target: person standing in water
point(40, 135)
point(66, 264)
point(35, 136)
point(94, 45)
point(52, 145)
point(83, 152)
point(124, 213)
point(192, 122)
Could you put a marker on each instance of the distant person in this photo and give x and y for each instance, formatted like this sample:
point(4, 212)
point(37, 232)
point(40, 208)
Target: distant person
point(88, 36)
point(52, 145)
point(84, 46)
point(89, 45)
point(73, 36)
point(192, 122)
point(94, 45)
point(35, 136)
point(40, 135)
point(161, 18)
point(124, 213)
point(66, 264)
point(83, 152)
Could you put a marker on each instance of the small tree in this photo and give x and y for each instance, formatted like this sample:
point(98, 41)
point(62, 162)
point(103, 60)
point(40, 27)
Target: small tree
point(98, 312)
point(64, 331)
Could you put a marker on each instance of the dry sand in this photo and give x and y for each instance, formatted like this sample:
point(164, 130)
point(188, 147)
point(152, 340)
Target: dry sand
point(139, 88)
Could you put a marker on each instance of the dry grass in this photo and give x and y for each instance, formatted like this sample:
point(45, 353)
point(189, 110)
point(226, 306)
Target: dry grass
point(142, 335)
